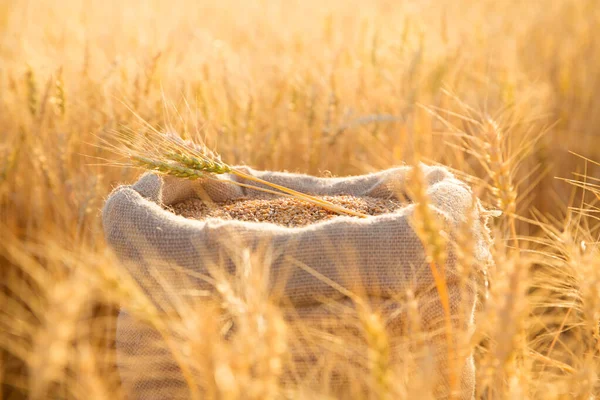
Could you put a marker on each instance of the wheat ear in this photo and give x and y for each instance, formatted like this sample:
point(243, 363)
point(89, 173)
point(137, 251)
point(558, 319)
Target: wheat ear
point(171, 155)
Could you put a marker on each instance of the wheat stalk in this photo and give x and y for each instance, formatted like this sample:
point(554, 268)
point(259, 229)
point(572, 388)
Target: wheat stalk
point(435, 242)
point(32, 92)
point(379, 351)
point(170, 155)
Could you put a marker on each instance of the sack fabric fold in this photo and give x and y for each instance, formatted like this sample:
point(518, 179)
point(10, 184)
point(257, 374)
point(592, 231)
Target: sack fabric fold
point(379, 257)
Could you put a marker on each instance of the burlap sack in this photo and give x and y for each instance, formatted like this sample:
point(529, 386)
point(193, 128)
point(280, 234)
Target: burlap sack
point(379, 257)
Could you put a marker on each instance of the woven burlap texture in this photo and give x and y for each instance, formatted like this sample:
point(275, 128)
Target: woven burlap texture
point(379, 257)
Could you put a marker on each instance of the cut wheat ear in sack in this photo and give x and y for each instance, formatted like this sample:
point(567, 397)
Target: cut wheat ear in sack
point(312, 270)
point(168, 154)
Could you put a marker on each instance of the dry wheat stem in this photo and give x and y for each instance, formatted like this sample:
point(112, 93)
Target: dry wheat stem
point(429, 231)
point(187, 161)
point(216, 166)
point(311, 199)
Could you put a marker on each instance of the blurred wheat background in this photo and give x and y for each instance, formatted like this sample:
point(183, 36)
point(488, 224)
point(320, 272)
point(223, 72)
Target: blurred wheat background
point(329, 87)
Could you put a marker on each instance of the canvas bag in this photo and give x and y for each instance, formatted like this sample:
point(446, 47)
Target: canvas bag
point(379, 256)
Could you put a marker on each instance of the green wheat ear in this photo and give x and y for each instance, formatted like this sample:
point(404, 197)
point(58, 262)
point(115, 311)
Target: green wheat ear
point(212, 166)
point(168, 168)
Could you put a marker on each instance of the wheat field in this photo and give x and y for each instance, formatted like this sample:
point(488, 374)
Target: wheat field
point(502, 92)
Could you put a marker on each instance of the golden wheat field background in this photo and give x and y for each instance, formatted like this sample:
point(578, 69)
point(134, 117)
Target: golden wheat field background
point(503, 92)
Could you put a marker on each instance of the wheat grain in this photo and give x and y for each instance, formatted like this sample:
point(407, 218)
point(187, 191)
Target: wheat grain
point(286, 211)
